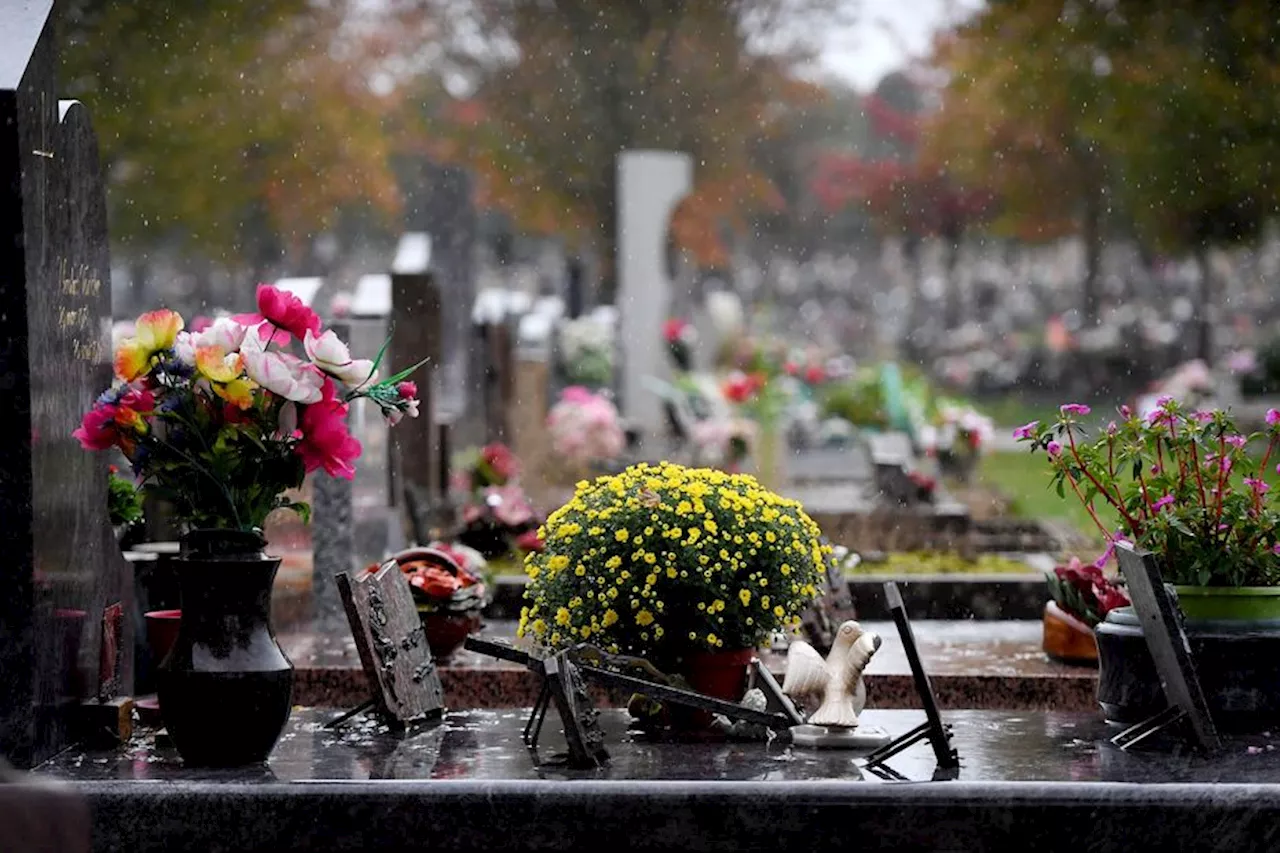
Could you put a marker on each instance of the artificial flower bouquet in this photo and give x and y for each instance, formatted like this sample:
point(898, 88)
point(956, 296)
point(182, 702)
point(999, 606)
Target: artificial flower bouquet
point(1182, 483)
point(723, 442)
point(585, 429)
point(681, 338)
point(1084, 591)
point(665, 562)
point(497, 517)
point(587, 351)
point(223, 422)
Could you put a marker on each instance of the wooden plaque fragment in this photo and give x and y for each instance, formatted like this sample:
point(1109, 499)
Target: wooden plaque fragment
point(403, 679)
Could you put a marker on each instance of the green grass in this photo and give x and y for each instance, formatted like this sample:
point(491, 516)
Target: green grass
point(1025, 478)
point(941, 563)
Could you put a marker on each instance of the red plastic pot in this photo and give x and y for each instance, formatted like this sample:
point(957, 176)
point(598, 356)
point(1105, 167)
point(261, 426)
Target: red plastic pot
point(162, 631)
point(722, 675)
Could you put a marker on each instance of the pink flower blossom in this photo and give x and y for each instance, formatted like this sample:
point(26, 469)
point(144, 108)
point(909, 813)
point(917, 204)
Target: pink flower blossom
point(1275, 549)
point(1054, 449)
point(407, 390)
point(1203, 416)
point(1164, 400)
point(1074, 409)
point(326, 442)
point(1259, 486)
point(1236, 440)
point(1273, 417)
point(1126, 412)
point(1112, 429)
point(97, 429)
point(286, 313)
point(1026, 430)
point(1162, 503)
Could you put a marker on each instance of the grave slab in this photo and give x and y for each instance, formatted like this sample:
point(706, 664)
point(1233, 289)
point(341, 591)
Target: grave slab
point(1038, 781)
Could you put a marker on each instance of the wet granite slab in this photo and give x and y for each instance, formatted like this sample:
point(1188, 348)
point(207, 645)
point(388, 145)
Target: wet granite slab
point(972, 664)
point(1045, 781)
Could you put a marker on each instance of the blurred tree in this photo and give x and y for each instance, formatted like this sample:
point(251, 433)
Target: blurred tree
point(1021, 114)
point(1202, 81)
point(1166, 110)
point(235, 129)
point(566, 85)
point(905, 195)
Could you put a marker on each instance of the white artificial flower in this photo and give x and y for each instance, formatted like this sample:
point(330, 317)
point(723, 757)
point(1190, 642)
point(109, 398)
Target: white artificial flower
point(223, 332)
point(291, 378)
point(184, 348)
point(332, 356)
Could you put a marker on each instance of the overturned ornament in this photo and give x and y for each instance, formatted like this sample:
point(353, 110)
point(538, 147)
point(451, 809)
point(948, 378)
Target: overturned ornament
point(838, 682)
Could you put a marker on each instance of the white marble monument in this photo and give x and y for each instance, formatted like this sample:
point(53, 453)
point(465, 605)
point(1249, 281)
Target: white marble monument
point(650, 185)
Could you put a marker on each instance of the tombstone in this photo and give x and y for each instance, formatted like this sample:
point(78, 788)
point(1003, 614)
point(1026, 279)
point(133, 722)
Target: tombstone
point(650, 184)
point(575, 289)
point(332, 534)
point(441, 205)
point(63, 575)
point(416, 334)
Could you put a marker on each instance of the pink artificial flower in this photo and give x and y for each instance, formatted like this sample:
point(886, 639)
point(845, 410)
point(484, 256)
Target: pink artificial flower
point(97, 429)
point(1273, 417)
point(333, 357)
point(1074, 409)
point(1054, 449)
point(326, 443)
point(577, 394)
point(199, 324)
point(407, 390)
point(1026, 430)
point(1162, 503)
point(281, 373)
point(674, 329)
point(284, 312)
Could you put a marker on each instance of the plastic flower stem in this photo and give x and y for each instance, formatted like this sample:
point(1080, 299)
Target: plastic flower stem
point(235, 514)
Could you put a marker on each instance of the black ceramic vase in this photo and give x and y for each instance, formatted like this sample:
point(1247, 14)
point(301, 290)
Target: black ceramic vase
point(226, 688)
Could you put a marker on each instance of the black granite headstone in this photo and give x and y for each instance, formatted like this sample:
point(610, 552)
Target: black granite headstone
point(62, 568)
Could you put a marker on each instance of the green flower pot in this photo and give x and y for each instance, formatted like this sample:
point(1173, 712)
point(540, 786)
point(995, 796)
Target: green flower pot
point(1230, 603)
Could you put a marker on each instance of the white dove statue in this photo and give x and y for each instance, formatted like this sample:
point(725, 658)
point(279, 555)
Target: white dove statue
point(838, 679)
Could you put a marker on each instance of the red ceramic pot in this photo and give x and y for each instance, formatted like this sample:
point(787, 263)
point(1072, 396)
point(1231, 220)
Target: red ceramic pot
point(162, 630)
point(446, 632)
point(722, 675)
point(719, 674)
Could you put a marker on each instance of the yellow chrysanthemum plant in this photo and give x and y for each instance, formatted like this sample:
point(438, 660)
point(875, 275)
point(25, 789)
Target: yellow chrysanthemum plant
point(664, 562)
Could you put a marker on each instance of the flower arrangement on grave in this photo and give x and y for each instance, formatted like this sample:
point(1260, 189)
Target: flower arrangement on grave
point(496, 514)
point(587, 352)
point(858, 399)
point(808, 371)
point(961, 435)
point(223, 422)
point(724, 443)
point(1084, 591)
point(761, 396)
point(585, 429)
point(1183, 483)
point(448, 590)
point(668, 562)
point(681, 338)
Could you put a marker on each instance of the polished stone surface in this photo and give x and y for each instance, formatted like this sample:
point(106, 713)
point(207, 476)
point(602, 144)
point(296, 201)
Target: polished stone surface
point(479, 745)
point(1027, 781)
point(61, 568)
point(972, 664)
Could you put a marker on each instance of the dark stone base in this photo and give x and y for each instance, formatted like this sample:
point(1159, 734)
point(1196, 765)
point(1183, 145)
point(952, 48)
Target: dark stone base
point(1239, 670)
